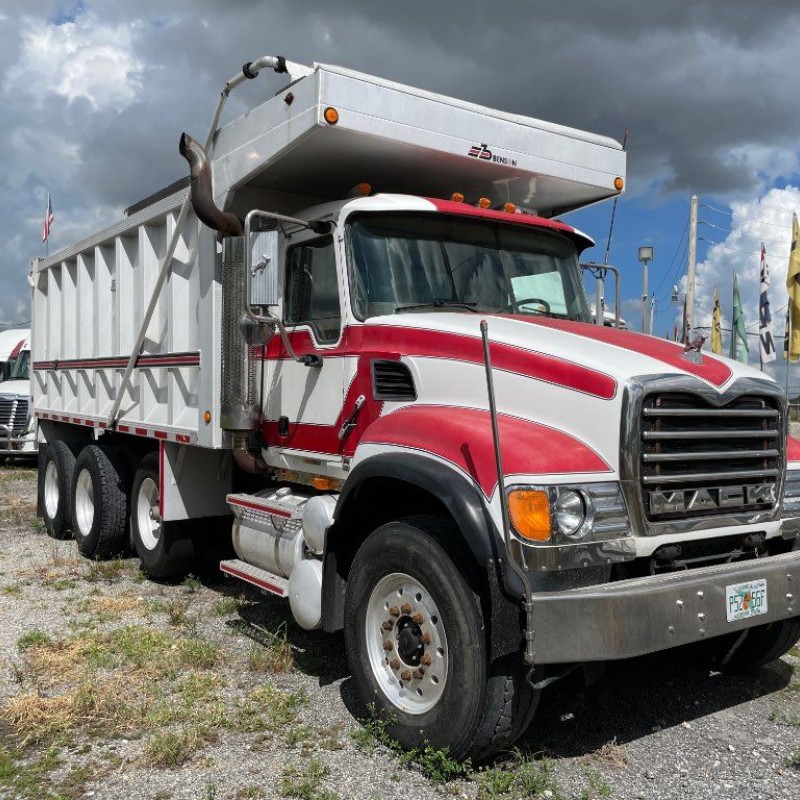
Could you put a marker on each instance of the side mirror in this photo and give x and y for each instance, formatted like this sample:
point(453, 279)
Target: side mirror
point(261, 263)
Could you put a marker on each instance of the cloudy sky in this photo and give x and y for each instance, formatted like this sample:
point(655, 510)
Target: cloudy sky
point(95, 94)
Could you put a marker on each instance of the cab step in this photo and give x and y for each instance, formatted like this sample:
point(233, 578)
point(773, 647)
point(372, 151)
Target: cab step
point(274, 584)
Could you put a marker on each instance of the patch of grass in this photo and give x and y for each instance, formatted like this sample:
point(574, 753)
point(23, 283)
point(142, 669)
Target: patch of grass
point(13, 589)
point(107, 571)
point(306, 782)
point(28, 778)
point(17, 511)
point(63, 583)
point(272, 653)
point(176, 608)
point(33, 638)
point(173, 748)
point(249, 793)
point(793, 759)
point(268, 709)
point(435, 763)
point(597, 787)
point(612, 754)
point(526, 776)
point(228, 606)
point(192, 583)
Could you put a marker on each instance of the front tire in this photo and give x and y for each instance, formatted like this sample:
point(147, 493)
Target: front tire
point(416, 644)
point(99, 503)
point(761, 645)
point(56, 477)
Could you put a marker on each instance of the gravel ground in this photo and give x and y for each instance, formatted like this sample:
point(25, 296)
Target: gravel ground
point(218, 711)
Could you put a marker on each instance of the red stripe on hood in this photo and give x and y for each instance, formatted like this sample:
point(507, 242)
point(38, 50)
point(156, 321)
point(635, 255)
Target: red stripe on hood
point(712, 370)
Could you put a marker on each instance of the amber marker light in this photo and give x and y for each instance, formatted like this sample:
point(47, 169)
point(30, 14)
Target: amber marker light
point(331, 115)
point(529, 510)
point(484, 202)
point(457, 197)
point(207, 417)
point(619, 184)
point(509, 208)
point(324, 484)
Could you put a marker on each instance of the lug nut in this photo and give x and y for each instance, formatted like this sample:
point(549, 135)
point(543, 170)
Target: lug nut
point(395, 663)
point(394, 611)
point(405, 675)
point(426, 638)
point(405, 608)
point(388, 646)
point(417, 674)
point(426, 660)
point(418, 618)
point(388, 625)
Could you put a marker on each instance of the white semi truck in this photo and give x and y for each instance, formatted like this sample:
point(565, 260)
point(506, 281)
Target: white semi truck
point(359, 351)
point(17, 424)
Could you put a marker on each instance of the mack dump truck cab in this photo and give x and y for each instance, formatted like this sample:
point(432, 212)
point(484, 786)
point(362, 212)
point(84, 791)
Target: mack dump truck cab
point(357, 353)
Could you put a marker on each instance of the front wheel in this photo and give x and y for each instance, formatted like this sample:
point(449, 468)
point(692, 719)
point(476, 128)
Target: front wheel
point(760, 646)
point(416, 644)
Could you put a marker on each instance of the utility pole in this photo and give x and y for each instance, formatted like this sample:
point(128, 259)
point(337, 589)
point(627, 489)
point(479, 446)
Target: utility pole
point(645, 256)
point(692, 263)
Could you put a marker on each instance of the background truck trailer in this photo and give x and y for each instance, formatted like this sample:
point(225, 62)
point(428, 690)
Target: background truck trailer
point(360, 353)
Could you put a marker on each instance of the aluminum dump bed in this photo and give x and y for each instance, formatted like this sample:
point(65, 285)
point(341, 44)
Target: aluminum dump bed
point(89, 300)
point(408, 141)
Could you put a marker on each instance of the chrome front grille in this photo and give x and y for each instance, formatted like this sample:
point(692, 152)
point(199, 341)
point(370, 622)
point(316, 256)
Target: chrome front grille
point(698, 460)
point(14, 414)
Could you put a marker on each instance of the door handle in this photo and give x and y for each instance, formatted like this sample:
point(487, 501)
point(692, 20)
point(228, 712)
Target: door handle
point(350, 422)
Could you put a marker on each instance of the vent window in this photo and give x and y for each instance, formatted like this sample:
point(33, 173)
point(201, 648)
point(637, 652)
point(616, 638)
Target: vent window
point(391, 380)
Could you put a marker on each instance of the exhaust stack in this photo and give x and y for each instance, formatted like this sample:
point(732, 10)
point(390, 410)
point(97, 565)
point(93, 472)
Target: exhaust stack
point(202, 196)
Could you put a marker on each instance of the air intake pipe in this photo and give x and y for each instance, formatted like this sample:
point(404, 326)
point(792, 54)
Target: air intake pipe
point(202, 196)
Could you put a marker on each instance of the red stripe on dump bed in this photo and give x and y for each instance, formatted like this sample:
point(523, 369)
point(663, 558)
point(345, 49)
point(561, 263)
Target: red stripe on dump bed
point(120, 362)
point(463, 436)
point(711, 369)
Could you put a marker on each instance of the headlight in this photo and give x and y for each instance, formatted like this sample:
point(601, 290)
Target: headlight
point(551, 515)
point(570, 512)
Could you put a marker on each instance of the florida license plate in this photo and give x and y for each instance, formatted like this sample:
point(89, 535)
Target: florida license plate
point(746, 599)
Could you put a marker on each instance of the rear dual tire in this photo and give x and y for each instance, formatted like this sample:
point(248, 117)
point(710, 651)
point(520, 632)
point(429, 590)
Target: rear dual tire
point(58, 464)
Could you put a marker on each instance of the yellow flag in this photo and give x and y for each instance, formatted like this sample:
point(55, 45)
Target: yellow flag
point(793, 285)
point(716, 325)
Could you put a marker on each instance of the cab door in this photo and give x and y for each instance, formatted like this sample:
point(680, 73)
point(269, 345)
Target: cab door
point(302, 401)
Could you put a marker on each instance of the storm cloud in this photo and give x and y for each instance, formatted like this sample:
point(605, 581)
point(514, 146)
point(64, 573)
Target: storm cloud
point(95, 94)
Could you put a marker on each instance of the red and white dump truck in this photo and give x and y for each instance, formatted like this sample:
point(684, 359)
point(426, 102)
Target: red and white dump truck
point(360, 352)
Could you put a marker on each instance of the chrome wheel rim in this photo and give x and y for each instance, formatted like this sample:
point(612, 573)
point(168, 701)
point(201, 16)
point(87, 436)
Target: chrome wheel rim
point(84, 502)
point(51, 493)
point(148, 520)
point(406, 643)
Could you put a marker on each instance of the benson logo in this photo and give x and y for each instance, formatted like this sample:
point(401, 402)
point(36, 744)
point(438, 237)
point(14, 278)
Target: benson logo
point(712, 498)
point(483, 152)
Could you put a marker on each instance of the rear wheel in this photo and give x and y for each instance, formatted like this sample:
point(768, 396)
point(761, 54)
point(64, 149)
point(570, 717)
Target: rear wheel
point(99, 503)
point(416, 644)
point(166, 549)
point(56, 478)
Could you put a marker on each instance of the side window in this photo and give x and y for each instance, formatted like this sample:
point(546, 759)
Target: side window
point(312, 291)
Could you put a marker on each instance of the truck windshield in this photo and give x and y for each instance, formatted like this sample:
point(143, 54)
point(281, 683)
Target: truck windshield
point(420, 262)
point(19, 367)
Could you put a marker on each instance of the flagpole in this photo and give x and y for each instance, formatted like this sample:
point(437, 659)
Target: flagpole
point(789, 351)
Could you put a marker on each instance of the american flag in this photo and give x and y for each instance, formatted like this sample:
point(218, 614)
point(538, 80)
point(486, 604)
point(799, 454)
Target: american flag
point(48, 219)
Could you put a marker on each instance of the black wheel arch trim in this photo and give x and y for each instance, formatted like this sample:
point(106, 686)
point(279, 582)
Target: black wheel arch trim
point(468, 508)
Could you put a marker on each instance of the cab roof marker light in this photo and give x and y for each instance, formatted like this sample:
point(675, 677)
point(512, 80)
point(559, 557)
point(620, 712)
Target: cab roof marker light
point(510, 208)
point(484, 202)
point(330, 115)
point(619, 184)
point(457, 197)
point(360, 190)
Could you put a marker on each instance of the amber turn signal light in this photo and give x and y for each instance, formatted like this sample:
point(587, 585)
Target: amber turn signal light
point(529, 510)
point(484, 202)
point(509, 208)
point(331, 115)
point(619, 184)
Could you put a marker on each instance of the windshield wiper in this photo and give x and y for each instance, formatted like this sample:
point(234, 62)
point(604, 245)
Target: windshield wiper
point(439, 304)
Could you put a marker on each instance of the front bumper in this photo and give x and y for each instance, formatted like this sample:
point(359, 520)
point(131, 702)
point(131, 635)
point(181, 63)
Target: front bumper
point(16, 445)
point(643, 615)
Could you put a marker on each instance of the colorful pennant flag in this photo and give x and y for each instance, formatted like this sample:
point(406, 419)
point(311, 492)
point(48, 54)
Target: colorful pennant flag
point(739, 349)
point(716, 325)
point(793, 287)
point(766, 342)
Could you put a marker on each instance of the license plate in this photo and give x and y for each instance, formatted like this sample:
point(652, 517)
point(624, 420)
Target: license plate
point(746, 600)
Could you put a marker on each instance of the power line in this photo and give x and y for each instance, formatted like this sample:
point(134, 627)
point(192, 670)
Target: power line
point(674, 255)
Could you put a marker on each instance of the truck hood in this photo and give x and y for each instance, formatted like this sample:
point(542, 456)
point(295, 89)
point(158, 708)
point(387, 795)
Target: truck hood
point(17, 388)
point(601, 355)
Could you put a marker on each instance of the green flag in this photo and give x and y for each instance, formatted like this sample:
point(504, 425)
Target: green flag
point(738, 333)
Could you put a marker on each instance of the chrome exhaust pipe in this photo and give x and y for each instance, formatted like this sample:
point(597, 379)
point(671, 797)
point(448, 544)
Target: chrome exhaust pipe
point(202, 195)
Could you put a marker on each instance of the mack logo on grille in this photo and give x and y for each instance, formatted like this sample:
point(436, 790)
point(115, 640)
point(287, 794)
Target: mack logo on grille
point(712, 498)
